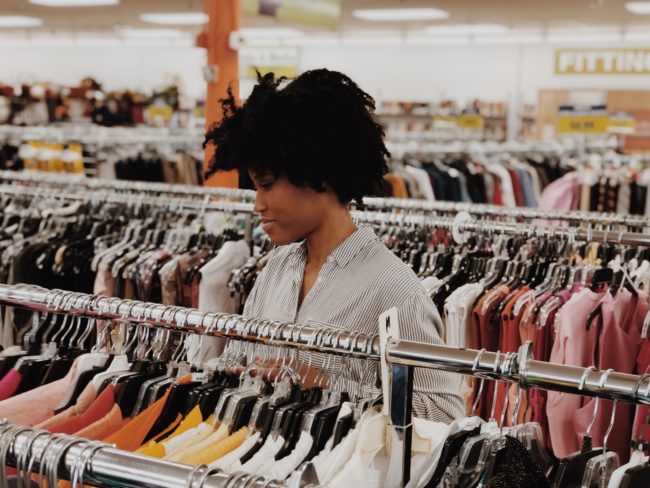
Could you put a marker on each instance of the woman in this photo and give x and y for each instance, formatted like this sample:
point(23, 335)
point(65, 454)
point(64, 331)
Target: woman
point(310, 147)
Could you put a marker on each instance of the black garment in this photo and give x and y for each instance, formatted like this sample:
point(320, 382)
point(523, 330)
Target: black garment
point(637, 198)
point(515, 468)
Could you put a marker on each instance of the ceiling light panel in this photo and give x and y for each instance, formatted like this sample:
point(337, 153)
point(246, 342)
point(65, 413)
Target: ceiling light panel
point(75, 3)
point(11, 21)
point(175, 18)
point(400, 14)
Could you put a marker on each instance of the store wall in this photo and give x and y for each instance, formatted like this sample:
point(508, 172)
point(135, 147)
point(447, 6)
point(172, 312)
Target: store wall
point(145, 68)
point(387, 72)
point(461, 72)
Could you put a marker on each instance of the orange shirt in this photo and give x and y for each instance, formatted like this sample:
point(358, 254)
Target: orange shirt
point(131, 436)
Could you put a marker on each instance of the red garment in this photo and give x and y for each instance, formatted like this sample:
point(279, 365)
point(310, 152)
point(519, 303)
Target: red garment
point(542, 352)
point(9, 384)
point(516, 187)
point(97, 410)
point(498, 194)
point(617, 348)
point(486, 335)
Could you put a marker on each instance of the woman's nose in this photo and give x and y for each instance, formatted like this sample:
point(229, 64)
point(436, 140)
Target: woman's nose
point(260, 203)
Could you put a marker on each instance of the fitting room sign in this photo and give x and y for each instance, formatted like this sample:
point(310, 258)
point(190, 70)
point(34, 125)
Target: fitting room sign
point(602, 61)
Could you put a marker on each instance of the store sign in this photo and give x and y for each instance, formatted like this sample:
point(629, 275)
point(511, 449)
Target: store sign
point(159, 113)
point(582, 120)
point(621, 123)
point(281, 61)
point(471, 121)
point(602, 61)
point(445, 121)
point(323, 13)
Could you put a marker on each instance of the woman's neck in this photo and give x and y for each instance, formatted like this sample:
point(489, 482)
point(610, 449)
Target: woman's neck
point(334, 229)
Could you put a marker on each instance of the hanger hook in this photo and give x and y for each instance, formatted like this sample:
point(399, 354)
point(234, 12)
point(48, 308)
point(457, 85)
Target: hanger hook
point(475, 365)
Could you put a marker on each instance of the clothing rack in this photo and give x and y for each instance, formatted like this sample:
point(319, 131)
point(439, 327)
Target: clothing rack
point(112, 467)
point(409, 205)
point(402, 356)
point(482, 226)
point(104, 136)
point(74, 180)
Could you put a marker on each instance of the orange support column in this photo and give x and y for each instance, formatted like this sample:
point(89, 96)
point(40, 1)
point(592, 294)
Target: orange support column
point(223, 19)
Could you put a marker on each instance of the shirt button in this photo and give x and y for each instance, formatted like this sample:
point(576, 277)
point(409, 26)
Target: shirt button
point(318, 280)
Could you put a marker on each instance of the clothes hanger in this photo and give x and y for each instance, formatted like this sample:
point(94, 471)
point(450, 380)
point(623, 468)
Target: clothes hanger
point(570, 470)
point(454, 443)
point(600, 468)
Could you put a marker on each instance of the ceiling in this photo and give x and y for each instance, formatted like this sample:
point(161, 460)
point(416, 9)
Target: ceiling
point(523, 14)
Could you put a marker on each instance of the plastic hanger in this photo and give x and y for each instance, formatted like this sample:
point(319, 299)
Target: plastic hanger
point(600, 468)
point(570, 470)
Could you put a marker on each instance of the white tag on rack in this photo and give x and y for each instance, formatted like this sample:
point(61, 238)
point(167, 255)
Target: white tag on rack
point(388, 329)
point(646, 325)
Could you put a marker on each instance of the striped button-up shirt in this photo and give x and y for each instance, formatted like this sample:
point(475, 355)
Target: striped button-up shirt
point(360, 280)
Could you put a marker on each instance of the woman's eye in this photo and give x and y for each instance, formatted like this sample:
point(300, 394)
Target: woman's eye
point(266, 186)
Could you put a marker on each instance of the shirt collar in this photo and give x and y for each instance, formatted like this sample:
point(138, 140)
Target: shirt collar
point(348, 249)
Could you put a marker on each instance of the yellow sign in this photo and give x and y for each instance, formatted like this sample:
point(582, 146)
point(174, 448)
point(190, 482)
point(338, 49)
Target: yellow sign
point(159, 112)
point(622, 124)
point(471, 121)
point(583, 124)
point(287, 71)
point(602, 61)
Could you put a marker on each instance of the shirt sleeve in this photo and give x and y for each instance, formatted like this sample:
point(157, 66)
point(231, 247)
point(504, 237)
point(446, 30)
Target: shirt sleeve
point(436, 394)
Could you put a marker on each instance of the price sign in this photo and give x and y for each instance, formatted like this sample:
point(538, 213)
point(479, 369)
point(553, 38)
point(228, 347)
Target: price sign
point(471, 121)
point(589, 121)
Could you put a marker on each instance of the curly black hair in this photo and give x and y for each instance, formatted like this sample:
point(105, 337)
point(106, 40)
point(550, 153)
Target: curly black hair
point(317, 129)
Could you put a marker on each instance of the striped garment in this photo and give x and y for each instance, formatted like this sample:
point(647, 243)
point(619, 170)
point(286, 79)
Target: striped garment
point(360, 280)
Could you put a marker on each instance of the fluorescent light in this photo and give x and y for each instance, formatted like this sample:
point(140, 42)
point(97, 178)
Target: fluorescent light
point(640, 8)
point(466, 29)
point(510, 39)
point(151, 33)
point(428, 40)
point(585, 38)
point(371, 40)
point(177, 18)
point(9, 21)
point(267, 32)
point(400, 14)
point(74, 3)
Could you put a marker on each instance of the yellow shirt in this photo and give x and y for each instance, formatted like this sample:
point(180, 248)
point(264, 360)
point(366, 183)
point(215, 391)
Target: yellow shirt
point(220, 434)
point(218, 450)
point(178, 453)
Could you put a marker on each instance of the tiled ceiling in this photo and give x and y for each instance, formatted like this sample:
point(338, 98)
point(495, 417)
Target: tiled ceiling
point(513, 13)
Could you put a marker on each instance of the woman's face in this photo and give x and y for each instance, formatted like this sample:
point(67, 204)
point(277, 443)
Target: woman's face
point(289, 213)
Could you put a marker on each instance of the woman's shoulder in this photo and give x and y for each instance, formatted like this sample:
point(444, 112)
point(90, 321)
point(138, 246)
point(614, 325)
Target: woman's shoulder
point(394, 274)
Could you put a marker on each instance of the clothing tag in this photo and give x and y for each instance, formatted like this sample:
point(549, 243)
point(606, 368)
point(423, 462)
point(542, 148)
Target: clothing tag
point(388, 329)
point(199, 377)
point(646, 325)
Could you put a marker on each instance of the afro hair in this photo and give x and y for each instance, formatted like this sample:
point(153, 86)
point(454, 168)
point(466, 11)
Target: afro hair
point(318, 129)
